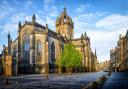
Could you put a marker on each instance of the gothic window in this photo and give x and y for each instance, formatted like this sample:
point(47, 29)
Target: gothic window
point(39, 50)
point(26, 46)
point(53, 52)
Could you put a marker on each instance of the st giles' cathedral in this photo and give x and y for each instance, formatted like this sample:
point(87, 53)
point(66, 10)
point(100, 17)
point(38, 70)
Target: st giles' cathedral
point(37, 47)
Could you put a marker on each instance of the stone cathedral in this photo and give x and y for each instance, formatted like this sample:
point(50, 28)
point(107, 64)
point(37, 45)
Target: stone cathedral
point(37, 47)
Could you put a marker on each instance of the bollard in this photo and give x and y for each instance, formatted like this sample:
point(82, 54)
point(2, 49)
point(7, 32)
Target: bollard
point(46, 76)
point(16, 82)
point(109, 73)
point(100, 81)
point(94, 85)
point(22, 76)
point(103, 78)
point(6, 81)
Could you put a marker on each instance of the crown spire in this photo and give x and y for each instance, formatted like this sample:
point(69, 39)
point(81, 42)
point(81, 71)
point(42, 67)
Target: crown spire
point(9, 34)
point(33, 18)
point(65, 12)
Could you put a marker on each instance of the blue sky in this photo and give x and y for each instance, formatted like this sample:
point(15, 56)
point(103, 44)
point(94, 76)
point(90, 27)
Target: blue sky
point(103, 20)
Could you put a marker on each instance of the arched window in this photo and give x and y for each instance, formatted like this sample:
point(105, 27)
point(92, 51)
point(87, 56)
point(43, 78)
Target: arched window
point(26, 46)
point(53, 52)
point(39, 50)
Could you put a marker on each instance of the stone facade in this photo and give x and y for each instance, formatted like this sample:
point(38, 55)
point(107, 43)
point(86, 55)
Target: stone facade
point(126, 52)
point(105, 66)
point(7, 62)
point(114, 59)
point(118, 55)
point(37, 47)
point(121, 52)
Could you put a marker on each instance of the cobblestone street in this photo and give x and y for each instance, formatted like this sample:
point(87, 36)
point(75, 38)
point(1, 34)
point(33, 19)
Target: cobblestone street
point(39, 81)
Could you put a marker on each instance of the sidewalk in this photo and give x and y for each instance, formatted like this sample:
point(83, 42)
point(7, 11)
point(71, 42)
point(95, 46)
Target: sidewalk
point(117, 80)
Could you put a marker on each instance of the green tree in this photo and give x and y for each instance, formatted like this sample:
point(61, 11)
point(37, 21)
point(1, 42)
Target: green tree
point(70, 58)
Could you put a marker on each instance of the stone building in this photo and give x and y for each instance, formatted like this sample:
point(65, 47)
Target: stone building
point(126, 52)
point(117, 55)
point(37, 47)
point(121, 51)
point(105, 66)
point(114, 59)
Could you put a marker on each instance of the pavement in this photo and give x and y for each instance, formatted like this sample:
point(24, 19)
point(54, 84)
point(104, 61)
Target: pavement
point(117, 80)
point(54, 81)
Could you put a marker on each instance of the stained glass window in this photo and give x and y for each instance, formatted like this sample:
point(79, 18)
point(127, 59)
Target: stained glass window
point(39, 50)
point(26, 46)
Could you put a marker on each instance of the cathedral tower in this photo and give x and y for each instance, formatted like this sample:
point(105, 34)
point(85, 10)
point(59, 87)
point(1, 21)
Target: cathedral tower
point(64, 25)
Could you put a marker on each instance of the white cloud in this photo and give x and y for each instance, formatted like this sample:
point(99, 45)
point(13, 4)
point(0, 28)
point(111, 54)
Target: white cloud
point(50, 8)
point(52, 13)
point(104, 33)
point(40, 20)
point(28, 5)
point(104, 41)
point(5, 9)
point(18, 17)
point(12, 25)
point(16, 2)
point(9, 27)
point(29, 2)
point(48, 3)
point(82, 8)
point(113, 21)
point(111, 26)
point(50, 22)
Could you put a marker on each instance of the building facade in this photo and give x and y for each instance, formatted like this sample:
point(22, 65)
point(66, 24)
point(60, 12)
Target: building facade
point(121, 52)
point(37, 47)
point(114, 59)
point(126, 52)
point(118, 56)
point(7, 62)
